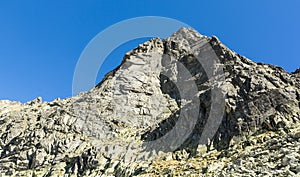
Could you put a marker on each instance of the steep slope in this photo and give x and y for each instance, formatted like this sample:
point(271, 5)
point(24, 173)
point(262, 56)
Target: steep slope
point(183, 105)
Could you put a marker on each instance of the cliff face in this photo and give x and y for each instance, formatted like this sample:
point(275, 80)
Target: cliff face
point(181, 106)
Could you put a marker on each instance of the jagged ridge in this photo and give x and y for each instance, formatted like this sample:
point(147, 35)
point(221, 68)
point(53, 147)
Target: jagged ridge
point(101, 131)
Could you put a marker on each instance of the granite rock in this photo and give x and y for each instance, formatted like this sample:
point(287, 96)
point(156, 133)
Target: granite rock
point(185, 105)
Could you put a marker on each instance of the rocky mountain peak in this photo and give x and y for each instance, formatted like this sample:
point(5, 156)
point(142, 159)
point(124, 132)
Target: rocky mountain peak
point(187, 34)
point(297, 71)
point(186, 102)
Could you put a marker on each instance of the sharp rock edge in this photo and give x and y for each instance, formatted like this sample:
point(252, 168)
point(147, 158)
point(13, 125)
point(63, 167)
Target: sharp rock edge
point(102, 132)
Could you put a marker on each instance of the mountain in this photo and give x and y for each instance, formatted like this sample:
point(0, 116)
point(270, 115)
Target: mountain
point(181, 106)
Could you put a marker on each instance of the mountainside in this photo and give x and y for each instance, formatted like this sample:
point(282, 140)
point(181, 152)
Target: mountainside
point(182, 106)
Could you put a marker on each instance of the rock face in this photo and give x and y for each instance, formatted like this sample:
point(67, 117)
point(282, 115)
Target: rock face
point(186, 105)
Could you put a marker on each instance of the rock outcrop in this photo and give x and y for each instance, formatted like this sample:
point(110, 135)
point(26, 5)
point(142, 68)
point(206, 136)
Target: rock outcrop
point(186, 105)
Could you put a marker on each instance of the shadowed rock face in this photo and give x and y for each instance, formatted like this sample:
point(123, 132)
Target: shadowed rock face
point(186, 99)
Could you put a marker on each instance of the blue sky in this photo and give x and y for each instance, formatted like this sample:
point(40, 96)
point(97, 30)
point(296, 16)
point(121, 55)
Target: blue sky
point(41, 41)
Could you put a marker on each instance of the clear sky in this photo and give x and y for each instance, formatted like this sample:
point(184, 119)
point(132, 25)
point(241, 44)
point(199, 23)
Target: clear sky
point(41, 41)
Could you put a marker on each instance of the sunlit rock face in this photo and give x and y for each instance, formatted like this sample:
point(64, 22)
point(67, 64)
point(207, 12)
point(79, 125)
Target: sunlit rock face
point(185, 105)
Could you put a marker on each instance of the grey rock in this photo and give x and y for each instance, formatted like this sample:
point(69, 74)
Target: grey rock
point(152, 115)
